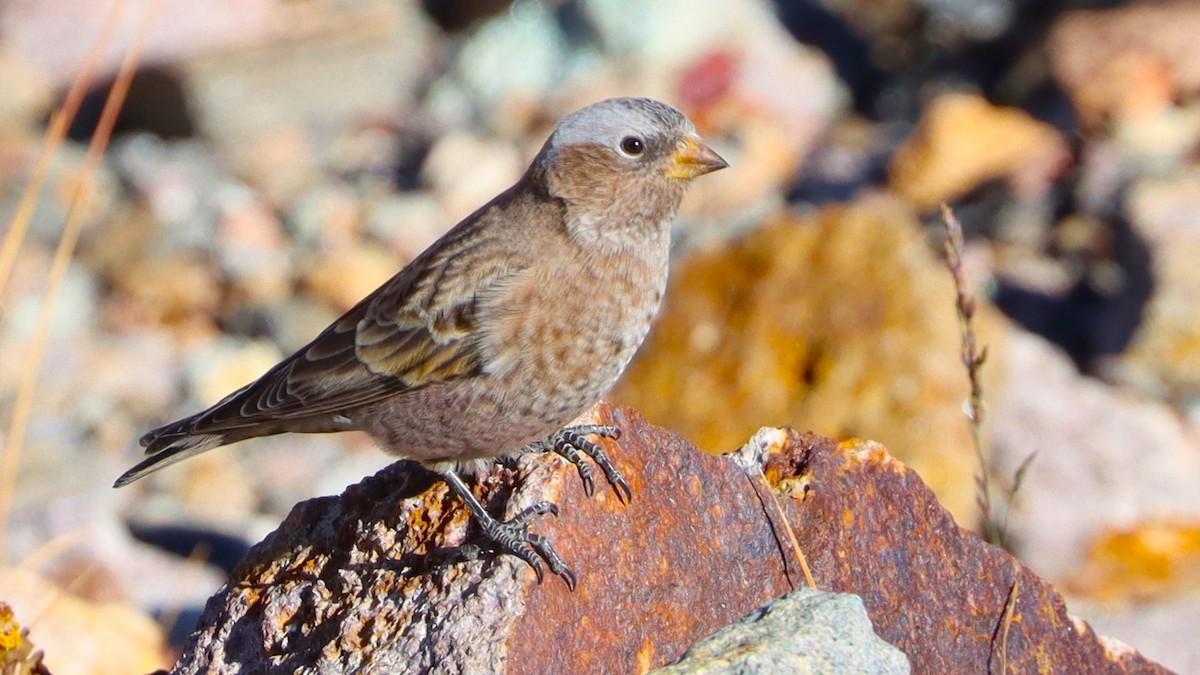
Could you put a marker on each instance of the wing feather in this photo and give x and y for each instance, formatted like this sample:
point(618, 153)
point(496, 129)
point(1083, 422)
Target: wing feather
point(416, 329)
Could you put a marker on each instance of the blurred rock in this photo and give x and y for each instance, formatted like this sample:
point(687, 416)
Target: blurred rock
point(1165, 355)
point(409, 222)
point(1158, 141)
point(26, 92)
point(130, 375)
point(56, 37)
point(214, 489)
point(295, 323)
point(1127, 61)
point(455, 15)
point(385, 586)
point(853, 157)
point(465, 171)
point(1157, 557)
point(64, 177)
point(1107, 508)
point(842, 320)
point(251, 248)
point(963, 141)
point(178, 290)
point(822, 26)
point(327, 216)
point(155, 102)
point(1106, 460)
point(276, 109)
point(518, 56)
point(1159, 629)
point(1111, 281)
point(343, 277)
point(82, 637)
point(279, 162)
point(178, 181)
point(129, 235)
point(74, 310)
point(805, 631)
point(957, 21)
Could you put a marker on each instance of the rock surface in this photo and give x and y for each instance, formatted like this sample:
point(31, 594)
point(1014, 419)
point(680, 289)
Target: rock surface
point(1127, 60)
point(805, 631)
point(841, 317)
point(376, 578)
point(963, 141)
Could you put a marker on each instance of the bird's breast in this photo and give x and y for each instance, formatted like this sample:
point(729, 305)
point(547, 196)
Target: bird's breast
point(567, 329)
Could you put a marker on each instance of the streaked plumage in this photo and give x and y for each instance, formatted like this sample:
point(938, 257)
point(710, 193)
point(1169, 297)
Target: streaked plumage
point(506, 328)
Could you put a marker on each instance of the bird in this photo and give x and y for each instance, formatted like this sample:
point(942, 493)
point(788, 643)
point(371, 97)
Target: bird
point(492, 340)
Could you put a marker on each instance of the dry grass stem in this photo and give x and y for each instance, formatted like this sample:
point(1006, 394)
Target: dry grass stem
point(60, 121)
point(808, 577)
point(972, 359)
point(27, 384)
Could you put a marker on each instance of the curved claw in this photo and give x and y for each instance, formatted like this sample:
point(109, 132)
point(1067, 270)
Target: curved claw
point(513, 536)
point(569, 577)
point(544, 549)
point(585, 475)
point(537, 569)
point(622, 489)
point(572, 442)
point(526, 516)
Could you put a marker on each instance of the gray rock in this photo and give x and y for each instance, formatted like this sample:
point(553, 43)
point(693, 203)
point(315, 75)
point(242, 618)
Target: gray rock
point(806, 631)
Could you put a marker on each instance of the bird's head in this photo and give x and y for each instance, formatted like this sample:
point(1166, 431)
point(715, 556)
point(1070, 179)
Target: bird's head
point(625, 162)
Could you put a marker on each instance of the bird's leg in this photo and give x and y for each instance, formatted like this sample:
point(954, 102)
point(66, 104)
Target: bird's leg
point(571, 442)
point(513, 535)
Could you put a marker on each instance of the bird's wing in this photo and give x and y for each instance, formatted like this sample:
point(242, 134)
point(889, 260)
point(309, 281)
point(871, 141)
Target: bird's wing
point(418, 328)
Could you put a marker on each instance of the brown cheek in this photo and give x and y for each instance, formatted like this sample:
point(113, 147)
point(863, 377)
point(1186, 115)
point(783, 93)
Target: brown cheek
point(586, 173)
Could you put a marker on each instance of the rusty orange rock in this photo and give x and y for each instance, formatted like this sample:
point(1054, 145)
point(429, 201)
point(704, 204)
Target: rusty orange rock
point(365, 581)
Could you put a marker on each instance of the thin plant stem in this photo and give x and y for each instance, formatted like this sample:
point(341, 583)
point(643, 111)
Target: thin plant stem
point(22, 406)
point(808, 577)
point(60, 121)
point(972, 359)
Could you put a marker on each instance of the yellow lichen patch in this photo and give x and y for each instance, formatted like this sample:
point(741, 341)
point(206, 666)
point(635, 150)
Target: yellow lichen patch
point(17, 655)
point(1153, 559)
point(841, 322)
point(796, 488)
point(866, 451)
point(963, 141)
point(10, 630)
point(81, 635)
point(645, 657)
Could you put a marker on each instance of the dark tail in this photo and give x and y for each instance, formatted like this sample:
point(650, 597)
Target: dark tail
point(169, 444)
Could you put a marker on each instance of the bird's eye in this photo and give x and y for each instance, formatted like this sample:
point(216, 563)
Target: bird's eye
point(632, 145)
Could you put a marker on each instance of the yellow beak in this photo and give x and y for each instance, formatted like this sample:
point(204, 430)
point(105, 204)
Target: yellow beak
point(693, 158)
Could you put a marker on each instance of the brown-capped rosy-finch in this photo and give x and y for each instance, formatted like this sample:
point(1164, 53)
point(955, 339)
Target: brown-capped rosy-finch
point(504, 330)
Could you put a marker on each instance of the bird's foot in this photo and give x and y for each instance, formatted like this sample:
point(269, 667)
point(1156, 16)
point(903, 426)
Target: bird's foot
point(513, 535)
point(572, 443)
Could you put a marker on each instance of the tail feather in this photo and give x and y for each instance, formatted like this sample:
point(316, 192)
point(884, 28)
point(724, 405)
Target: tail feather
point(193, 435)
point(179, 432)
point(181, 439)
point(167, 449)
point(222, 424)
